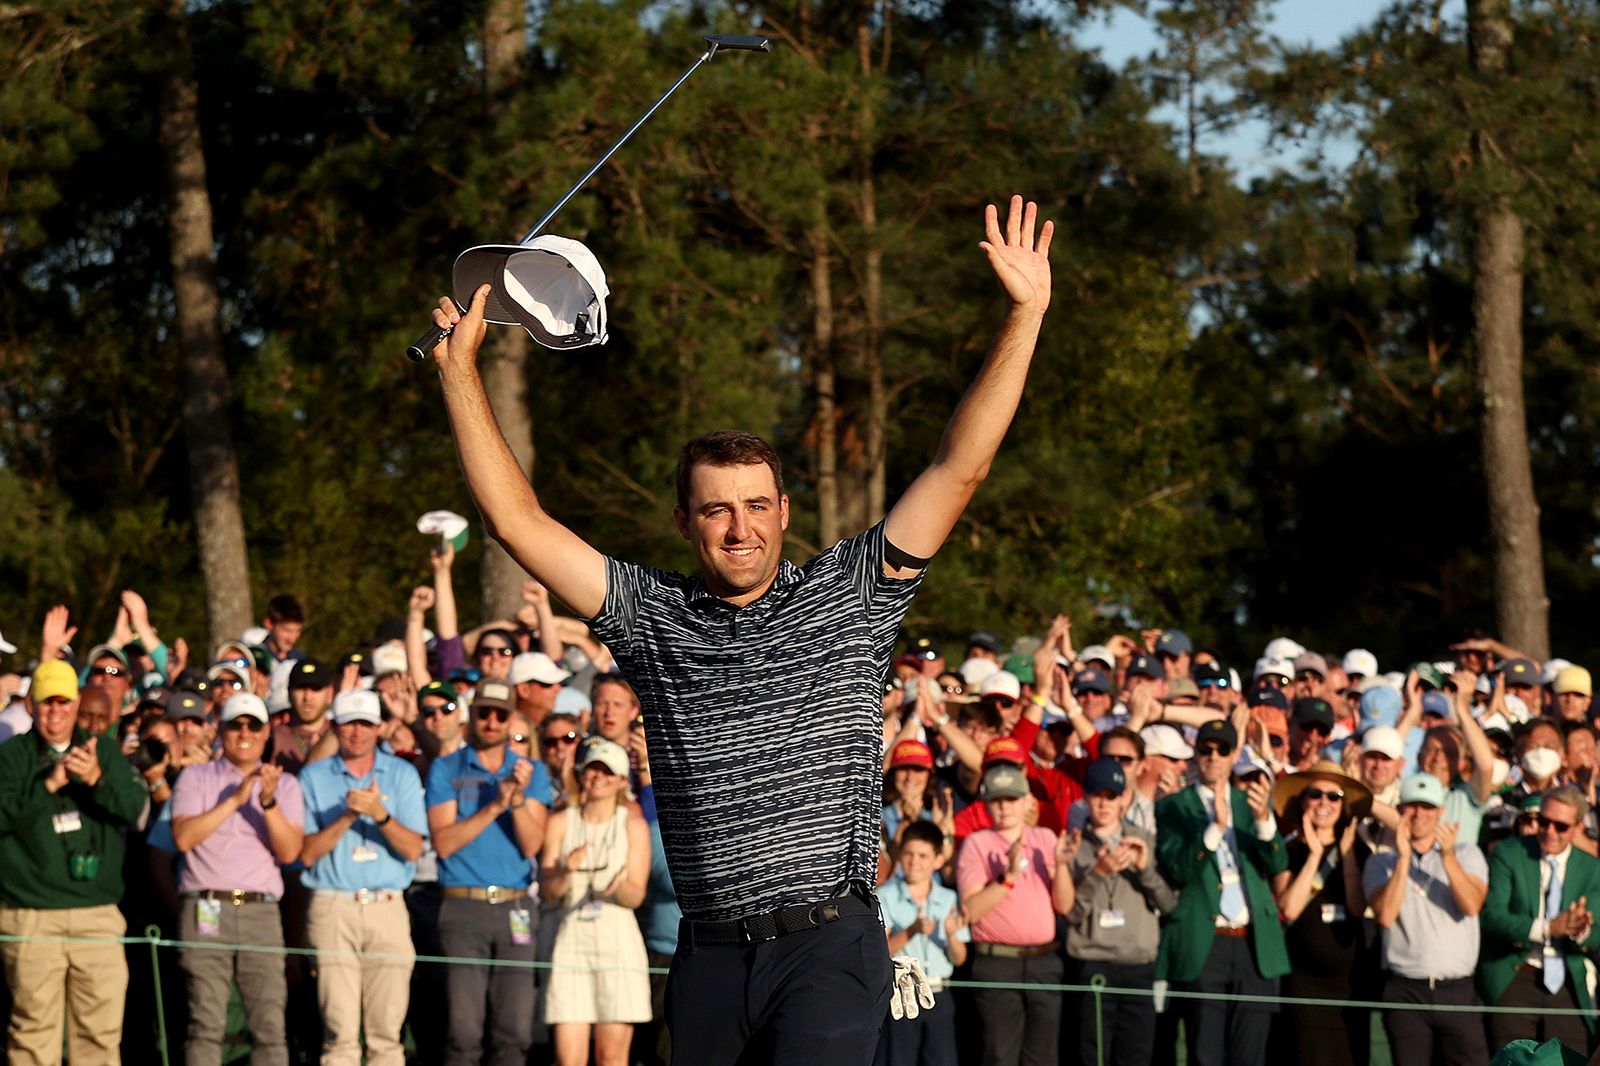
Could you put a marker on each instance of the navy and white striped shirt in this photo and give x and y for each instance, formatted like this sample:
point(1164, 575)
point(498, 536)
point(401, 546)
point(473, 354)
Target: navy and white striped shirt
point(765, 722)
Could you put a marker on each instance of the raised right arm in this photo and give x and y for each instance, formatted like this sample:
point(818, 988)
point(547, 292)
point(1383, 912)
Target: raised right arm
point(542, 546)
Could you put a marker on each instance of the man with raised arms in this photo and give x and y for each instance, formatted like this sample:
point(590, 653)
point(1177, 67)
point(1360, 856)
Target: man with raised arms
point(772, 843)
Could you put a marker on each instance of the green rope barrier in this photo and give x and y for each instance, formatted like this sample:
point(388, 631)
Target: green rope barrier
point(1098, 987)
point(152, 933)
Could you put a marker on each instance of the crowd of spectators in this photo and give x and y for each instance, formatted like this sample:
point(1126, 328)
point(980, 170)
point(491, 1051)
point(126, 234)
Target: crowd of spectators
point(1200, 836)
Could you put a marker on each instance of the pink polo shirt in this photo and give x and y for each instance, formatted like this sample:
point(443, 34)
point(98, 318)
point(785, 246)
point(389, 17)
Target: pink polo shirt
point(236, 855)
point(1026, 916)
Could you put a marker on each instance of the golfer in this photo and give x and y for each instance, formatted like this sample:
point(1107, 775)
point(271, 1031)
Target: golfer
point(772, 840)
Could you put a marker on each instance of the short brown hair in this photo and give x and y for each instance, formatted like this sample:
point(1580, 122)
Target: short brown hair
point(285, 608)
point(725, 447)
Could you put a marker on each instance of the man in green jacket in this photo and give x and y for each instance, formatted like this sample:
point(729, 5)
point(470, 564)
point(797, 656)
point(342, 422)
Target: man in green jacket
point(1219, 846)
point(1537, 928)
point(65, 798)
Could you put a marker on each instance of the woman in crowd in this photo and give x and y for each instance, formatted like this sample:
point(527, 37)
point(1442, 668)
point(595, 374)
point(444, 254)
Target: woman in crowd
point(596, 863)
point(1321, 901)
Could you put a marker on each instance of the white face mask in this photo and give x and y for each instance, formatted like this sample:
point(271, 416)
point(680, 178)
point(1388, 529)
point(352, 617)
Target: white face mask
point(1540, 763)
point(1502, 770)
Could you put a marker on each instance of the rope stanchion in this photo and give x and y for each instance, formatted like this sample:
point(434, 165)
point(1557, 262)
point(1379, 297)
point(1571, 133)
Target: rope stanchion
point(152, 934)
point(1097, 983)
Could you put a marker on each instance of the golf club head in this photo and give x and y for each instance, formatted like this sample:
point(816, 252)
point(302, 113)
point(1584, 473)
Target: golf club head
point(738, 43)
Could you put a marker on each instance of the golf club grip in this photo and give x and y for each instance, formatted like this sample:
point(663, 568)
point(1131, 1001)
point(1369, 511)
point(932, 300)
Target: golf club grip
point(424, 345)
point(738, 43)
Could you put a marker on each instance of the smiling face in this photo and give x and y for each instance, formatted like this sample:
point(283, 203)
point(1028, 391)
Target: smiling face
point(735, 518)
point(243, 741)
point(356, 739)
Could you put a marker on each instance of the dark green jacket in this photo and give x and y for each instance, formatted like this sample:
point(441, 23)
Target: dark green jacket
point(1190, 929)
point(1514, 902)
point(34, 865)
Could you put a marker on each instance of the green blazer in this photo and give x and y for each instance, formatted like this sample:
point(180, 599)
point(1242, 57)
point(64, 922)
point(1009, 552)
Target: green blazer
point(1187, 936)
point(1514, 902)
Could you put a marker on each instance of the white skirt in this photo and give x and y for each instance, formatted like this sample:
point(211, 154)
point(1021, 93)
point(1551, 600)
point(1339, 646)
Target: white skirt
point(598, 969)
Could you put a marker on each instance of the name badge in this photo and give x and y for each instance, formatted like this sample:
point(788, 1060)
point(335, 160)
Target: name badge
point(1113, 919)
point(208, 917)
point(590, 910)
point(364, 853)
point(1230, 876)
point(521, 927)
point(1333, 912)
point(67, 822)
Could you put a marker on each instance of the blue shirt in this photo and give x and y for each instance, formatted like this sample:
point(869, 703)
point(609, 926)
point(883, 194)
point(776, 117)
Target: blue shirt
point(660, 913)
point(493, 857)
point(362, 858)
point(899, 911)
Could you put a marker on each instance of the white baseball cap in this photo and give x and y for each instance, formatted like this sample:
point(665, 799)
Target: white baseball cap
point(1283, 648)
point(357, 705)
point(1360, 661)
point(1098, 653)
point(242, 704)
point(976, 671)
point(1551, 669)
point(551, 286)
point(537, 666)
point(1161, 739)
point(1274, 667)
point(1001, 682)
point(388, 659)
point(1384, 740)
point(607, 753)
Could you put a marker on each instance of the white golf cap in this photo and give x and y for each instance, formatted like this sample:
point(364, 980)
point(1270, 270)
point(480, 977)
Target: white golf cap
point(6, 647)
point(1551, 669)
point(1360, 661)
point(1275, 667)
point(607, 753)
point(1098, 653)
point(255, 635)
point(551, 286)
point(1003, 683)
point(536, 666)
point(975, 671)
point(357, 705)
point(1283, 648)
point(242, 704)
point(1383, 740)
point(388, 659)
point(1161, 739)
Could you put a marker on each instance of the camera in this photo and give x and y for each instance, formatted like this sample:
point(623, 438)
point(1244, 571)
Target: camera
point(149, 753)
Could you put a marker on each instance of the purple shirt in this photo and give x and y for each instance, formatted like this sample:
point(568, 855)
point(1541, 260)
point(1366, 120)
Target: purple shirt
point(237, 854)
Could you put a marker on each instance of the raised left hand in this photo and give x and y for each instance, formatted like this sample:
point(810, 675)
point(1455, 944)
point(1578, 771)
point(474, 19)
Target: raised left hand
point(1020, 262)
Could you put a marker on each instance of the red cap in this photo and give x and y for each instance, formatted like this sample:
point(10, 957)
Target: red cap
point(1005, 749)
point(1277, 721)
point(912, 753)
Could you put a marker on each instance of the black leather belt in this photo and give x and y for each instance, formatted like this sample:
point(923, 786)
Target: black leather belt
point(760, 928)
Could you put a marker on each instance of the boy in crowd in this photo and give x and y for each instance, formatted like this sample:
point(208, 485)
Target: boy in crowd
point(923, 920)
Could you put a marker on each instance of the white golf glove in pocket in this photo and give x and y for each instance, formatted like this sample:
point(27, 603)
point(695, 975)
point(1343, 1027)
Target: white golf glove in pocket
point(912, 992)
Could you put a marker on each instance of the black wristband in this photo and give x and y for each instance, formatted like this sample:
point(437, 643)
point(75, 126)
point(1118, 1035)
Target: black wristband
point(901, 559)
point(269, 803)
point(388, 816)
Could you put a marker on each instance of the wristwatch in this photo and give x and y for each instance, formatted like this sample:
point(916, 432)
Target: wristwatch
point(388, 816)
point(269, 803)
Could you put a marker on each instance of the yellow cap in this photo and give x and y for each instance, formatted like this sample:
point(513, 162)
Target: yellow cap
point(52, 679)
point(1574, 679)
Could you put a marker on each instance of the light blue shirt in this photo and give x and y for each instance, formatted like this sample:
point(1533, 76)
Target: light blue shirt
point(493, 857)
point(899, 911)
point(362, 858)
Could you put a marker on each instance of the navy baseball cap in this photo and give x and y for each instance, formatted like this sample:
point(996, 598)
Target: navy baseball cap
point(1104, 775)
point(1147, 666)
point(1093, 679)
point(309, 673)
point(1267, 696)
point(1218, 731)
point(1211, 674)
point(982, 638)
point(1311, 711)
point(1174, 642)
point(925, 648)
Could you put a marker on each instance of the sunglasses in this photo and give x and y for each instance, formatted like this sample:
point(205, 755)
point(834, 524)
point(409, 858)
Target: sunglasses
point(1319, 729)
point(562, 738)
point(1216, 682)
point(1551, 823)
point(438, 709)
point(498, 649)
point(499, 714)
point(254, 725)
point(235, 685)
point(108, 671)
point(952, 690)
point(519, 738)
point(1274, 680)
point(1278, 741)
point(1323, 794)
point(1125, 760)
point(1216, 751)
point(1308, 675)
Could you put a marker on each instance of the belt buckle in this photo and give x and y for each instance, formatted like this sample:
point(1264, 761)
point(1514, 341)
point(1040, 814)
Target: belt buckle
point(364, 895)
point(495, 894)
point(237, 896)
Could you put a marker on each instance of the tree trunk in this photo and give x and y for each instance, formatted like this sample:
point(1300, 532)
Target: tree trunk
point(877, 414)
point(505, 368)
point(1521, 606)
point(213, 466)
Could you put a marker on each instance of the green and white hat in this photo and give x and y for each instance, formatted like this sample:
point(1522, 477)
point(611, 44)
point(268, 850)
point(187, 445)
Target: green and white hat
point(448, 525)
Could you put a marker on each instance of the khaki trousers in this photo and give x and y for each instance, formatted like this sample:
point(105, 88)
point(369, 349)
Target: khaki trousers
point(48, 979)
point(355, 992)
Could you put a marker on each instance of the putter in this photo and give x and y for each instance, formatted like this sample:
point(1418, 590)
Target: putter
point(426, 343)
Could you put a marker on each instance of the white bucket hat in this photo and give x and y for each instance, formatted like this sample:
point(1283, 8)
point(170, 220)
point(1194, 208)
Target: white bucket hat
point(551, 286)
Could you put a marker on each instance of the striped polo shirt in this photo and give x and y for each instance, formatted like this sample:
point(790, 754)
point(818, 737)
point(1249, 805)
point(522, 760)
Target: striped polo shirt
point(765, 722)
